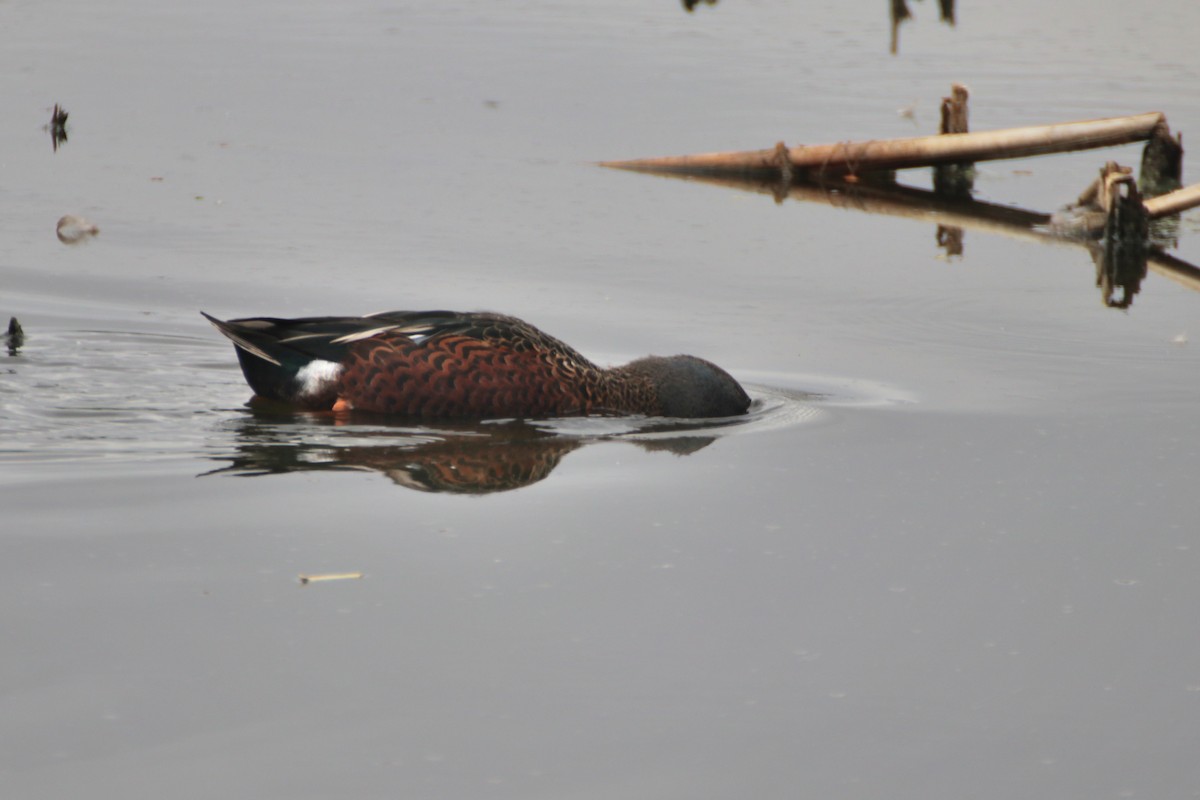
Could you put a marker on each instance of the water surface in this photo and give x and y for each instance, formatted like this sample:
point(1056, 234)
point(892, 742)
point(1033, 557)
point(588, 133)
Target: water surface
point(951, 554)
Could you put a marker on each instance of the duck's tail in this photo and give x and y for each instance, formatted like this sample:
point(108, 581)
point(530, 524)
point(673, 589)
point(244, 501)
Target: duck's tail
point(296, 362)
point(243, 337)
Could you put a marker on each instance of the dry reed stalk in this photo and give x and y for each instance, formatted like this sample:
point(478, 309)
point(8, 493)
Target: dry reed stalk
point(832, 160)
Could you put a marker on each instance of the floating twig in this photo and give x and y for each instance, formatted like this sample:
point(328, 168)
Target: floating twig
point(330, 576)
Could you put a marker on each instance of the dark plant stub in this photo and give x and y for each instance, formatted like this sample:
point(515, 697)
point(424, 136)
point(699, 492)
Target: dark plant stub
point(58, 126)
point(14, 337)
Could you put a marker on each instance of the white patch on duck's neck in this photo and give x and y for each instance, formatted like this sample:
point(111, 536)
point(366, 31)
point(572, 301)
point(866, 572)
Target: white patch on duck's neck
point(316, 377)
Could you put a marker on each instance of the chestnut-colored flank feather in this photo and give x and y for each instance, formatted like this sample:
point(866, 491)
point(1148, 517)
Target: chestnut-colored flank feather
point(445, 364)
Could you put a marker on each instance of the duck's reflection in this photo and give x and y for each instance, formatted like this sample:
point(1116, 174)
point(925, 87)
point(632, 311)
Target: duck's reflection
point(464, 459)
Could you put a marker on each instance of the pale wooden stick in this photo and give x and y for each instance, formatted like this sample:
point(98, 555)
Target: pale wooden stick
point(1167, 204)
point(919, 151)
point(330, 576)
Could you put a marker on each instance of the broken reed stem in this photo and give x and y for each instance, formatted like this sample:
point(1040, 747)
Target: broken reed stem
point(1167, 204)
point(1155, 207)
point(955, 114)
point(955, 180)
point(919, 151)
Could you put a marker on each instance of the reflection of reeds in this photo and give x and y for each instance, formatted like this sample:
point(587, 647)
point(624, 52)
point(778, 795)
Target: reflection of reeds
point(899, 13)
point(898, 201)
point(954, 215)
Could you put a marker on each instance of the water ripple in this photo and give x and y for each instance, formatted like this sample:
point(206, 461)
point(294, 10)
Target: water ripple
point(119, 395)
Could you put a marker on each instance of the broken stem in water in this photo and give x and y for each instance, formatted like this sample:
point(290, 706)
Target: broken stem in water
point(921, 151)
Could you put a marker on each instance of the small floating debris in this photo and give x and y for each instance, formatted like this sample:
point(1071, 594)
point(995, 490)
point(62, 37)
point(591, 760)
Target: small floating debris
point(58, 127)
point(73, 230)
point(330, 576)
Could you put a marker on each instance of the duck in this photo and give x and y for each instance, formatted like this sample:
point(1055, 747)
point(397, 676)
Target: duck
point(462, 365)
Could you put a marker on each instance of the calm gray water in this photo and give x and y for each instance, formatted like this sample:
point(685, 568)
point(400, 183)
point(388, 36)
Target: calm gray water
point(953, 553)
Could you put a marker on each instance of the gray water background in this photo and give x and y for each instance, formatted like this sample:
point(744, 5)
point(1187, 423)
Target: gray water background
point(955, 557)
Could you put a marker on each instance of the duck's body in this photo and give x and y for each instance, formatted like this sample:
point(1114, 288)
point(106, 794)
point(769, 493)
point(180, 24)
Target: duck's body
point(447, 364)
